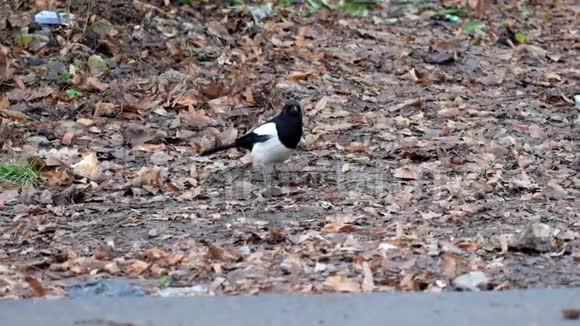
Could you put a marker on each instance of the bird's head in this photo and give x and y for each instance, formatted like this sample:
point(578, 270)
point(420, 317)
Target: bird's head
point(292, 108)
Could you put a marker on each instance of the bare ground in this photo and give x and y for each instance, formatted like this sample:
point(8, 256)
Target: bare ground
point(428, 151)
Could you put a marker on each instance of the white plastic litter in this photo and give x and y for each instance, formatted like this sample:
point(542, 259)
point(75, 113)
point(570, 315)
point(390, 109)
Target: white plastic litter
point(50, 17)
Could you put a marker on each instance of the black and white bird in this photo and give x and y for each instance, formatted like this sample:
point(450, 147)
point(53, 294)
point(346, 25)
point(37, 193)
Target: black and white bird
point(273, 141)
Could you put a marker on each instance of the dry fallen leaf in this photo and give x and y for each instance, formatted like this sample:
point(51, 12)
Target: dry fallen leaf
point(215, 252)
point(341, 283)
point(105, 109)
point(368, 283)
point(197, 118)
point(4, 64)
point(554, 191)
point(356, 147)
point(215, 90)
point(88, 167)
point(137, 268)
point(299, 75)
point(36, 286)
point(92, 84)
point(406, 173)
point(10, 114)
point(448, 112)
point(150, 177)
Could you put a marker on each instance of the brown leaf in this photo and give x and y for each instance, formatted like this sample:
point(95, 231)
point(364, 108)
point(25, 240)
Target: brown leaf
point(457, 160)
point(136, 135)
point(214, 252)
point(480, 6)
point(356, 147)
point(55, 177)
point(450, 266)
point(162, 257)
point(215, 90)
point(4, 64)
point(466, 244)
point(571, 313)
point(249, 95)
point(175, 50)
point(276, 235)
point(228, 136)
point(368, 283)
point(150, 147)
point(299, 75)
point(9, 114)
point(150, 177)
point(44, 4)
point(92, 84)
point(348, 228)
point(102, 254)
point(320, 106)
point(196, 118)
point(36, 286)
point(408, 283)
point(71, 195)
point(448, 112)
point(406, 173)
point(88, 167)
point(402, 122)
point(112, 268)
point(68, 136)
point(4, 103)
point(186, 100)
point(341, 283)
point(137, 268)
point(414, 102)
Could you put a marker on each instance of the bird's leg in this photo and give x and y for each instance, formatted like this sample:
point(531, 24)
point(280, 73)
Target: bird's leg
point(267, 177)
point(276, 174)
point(264, 169)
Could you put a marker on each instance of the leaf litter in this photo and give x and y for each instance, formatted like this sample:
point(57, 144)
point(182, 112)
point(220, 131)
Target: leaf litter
point(436, 154)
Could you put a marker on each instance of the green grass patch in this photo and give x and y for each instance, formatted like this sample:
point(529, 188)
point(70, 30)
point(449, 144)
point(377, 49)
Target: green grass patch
point(520, 37)
point(24, 174)
point(73, 93)
point(473, 26)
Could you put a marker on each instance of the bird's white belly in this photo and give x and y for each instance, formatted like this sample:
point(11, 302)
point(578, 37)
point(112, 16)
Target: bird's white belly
point(270, 152)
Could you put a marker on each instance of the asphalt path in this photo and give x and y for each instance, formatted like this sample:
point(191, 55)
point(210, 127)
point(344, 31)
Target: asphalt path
point(509, 308)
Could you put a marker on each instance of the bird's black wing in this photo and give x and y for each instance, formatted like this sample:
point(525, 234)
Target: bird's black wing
point(247, 141)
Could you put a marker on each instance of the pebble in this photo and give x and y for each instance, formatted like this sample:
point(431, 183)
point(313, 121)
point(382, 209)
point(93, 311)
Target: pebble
point(537, 236)
point(472, 281)
point(189, 291)
point(40, 140)
point(385, 246)
point(104, 288)
point(152, 233)
point(160, 158)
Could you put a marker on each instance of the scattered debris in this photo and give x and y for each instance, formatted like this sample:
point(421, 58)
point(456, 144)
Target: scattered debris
point(49, 17)
point(189, 291)
point(571, 313)
point(104, 288)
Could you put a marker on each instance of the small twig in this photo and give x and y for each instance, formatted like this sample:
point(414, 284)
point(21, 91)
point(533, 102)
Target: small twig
point(152, 7)
point(85, 27)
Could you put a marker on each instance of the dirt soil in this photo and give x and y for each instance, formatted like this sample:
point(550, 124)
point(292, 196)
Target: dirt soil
point(432, 149)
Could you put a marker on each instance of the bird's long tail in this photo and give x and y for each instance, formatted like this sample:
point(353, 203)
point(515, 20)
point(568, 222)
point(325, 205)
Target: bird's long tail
point(217, 149)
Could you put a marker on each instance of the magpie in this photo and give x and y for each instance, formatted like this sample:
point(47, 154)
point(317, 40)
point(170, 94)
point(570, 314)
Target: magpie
point(273, 141)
